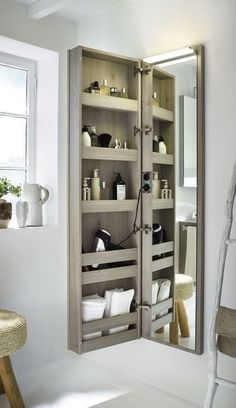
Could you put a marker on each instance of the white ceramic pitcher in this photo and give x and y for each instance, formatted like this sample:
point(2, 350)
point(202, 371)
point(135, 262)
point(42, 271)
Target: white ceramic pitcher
point(33, 194)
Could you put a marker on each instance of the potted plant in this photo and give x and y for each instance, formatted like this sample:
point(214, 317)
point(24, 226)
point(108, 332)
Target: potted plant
point(7, 187)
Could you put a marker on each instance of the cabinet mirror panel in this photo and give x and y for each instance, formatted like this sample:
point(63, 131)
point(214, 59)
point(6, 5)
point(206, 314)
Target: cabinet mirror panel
point(177, 270)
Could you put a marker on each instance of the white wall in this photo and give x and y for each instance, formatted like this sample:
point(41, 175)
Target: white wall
point(33, 262)
point(144, 29)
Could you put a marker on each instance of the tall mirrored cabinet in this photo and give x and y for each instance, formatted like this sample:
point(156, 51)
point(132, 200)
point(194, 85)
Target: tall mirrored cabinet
point(125, 158)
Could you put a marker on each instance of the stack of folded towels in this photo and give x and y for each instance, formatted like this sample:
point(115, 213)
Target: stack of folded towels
point(160, 292)
point(115, 302)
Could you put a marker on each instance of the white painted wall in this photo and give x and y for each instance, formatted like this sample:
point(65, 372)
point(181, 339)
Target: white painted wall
point(144, 29)
point(33, 262)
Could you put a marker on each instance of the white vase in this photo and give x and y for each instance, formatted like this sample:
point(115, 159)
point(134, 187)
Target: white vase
point(33, 194)
point(22, 210)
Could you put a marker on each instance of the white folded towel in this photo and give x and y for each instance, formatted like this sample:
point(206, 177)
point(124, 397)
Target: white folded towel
point(92, 309)
point(119, 302)
point(108, 295)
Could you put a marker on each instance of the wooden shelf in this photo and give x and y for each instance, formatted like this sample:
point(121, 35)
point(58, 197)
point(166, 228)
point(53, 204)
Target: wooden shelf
point(163, 248)
point(107, 153)
point(159, 158)
point(109, 102)
point(110, 340)
point(162, 204)
point(105, 275)
point(162, 306)
point(109, 323)
point(91, 258)
point(162, 263)
point(164, 115)
point(102, 206)
point(162, 321)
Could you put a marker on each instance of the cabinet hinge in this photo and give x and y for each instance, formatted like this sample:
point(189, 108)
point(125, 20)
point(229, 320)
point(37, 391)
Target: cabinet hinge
point(147, 229)
point(143, 306)
point(147, 129)
point(137, 130)
point(138, 70)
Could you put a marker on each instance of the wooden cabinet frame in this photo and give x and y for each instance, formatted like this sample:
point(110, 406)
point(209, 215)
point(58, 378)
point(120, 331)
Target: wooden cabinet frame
point(121, 115)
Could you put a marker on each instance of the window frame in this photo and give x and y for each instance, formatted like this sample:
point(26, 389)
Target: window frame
point(31, 91)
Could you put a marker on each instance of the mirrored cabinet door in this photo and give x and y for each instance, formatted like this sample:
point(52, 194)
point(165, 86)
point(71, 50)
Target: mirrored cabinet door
point(173, 150)
point(158, 98)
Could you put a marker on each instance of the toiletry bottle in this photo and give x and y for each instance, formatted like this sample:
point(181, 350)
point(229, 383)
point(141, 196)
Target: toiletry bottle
point(113, 91)
point(161, 145)
point(95, 185)
point(155, 99)
point(86, 189)
point(94, 137)
point(155, 144)
point(156, 186)
point(94, 88)
point(104, 88)
point(166, 192)
point(86, 139)
point(104, 195)
point(123, 93)
point(119, 188)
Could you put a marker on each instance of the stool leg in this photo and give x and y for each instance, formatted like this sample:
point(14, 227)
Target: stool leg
point(2, 391)
point(10, 384)
point(183, 320)
point(174, 328)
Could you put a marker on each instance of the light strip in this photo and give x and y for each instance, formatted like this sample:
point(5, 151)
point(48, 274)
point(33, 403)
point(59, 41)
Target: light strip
point(176, 61)
point(167, 56)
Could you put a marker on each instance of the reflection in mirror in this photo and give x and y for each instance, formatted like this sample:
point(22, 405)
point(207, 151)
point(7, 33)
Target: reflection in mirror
point(186, 329)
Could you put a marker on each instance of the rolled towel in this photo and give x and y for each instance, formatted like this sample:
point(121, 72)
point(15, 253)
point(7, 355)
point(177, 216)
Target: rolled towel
point(120, 304)
point(164, 292)
point(155, 289)
point(92, 309)
point(164, 289)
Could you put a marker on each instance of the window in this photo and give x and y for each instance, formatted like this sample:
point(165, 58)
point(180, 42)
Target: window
point(17, 118)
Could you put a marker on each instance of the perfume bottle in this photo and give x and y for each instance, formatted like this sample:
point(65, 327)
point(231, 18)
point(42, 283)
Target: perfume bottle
point(119, 188)
point(94, 88)
point(166, 191)
point(113, 91)
point(86, 189)
point(104, 194)
point(104, 88)
point(155, 99)
point(123, 93)
point(94, 137)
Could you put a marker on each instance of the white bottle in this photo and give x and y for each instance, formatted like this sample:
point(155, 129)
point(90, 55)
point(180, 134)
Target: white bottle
point(156, 186)
point(161, 145)
point(86, 139)
point(95, 185)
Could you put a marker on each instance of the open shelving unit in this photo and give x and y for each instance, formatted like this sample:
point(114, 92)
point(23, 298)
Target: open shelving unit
point(120, 268)
point(139, 262)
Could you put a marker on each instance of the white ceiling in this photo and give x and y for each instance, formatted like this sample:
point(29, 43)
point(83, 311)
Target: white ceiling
point(74, 10)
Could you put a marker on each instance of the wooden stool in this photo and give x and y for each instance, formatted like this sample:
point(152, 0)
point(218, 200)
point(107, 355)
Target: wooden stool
point(183, 291)
point(13, 335)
